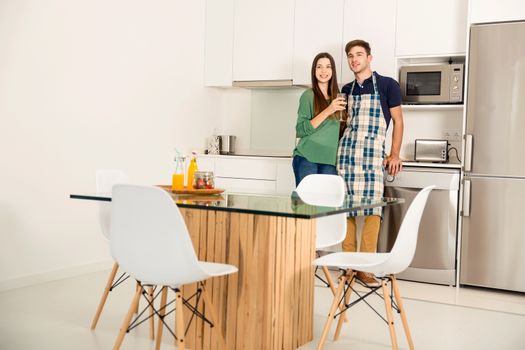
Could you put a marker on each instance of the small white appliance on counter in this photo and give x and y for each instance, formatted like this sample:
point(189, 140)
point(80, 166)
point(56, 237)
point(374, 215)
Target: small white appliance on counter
point(435, 257)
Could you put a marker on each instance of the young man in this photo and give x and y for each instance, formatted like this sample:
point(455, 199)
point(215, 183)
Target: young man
point(373, 101)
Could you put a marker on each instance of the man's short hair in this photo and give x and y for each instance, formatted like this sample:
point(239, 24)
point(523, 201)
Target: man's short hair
point(358, 42)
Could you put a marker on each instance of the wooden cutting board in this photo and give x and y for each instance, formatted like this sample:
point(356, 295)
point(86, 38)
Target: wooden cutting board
point(192, 190)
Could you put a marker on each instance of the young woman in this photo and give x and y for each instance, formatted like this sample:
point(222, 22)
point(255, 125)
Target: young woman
point(317, 124)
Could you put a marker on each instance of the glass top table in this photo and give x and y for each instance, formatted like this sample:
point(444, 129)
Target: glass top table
point(271, 239)
point(275, 205)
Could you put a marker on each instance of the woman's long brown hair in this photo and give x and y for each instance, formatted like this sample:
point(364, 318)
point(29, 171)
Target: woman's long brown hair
point(320, 102)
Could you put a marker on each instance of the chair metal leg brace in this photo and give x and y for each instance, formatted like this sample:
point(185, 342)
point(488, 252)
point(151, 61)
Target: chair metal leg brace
point(162, 312)
point(342, 298)
point(150, 299)
point(326, 283)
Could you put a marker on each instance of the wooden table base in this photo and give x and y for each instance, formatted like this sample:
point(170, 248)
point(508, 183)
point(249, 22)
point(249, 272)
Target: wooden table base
point(268, 304)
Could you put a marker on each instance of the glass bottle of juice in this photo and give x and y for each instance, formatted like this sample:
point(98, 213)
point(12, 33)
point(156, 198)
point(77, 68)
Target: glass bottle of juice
point(192, 168)
point(177, 179)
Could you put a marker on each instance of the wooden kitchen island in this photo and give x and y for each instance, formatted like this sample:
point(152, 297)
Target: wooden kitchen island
point(268, 304)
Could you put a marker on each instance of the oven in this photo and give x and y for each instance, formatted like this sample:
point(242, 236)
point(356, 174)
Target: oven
point(435, 257)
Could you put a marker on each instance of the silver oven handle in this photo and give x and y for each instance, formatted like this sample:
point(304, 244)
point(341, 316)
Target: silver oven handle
point(468, 152)
point(466, 198)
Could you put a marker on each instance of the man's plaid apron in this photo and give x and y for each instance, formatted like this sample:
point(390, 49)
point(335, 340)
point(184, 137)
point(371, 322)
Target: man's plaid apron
point(361, 150)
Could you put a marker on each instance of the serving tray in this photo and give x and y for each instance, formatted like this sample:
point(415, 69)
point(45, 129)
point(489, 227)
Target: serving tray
point(192, 190)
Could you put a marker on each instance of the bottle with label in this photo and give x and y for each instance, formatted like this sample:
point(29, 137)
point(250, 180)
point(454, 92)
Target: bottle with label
point(177, 179)
point(192, 168)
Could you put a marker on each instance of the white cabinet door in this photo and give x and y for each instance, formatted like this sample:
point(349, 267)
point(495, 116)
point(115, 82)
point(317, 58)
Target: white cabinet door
point(318, 28)
point(260, 169)
point(484, 11)
point(373, 21)
point(263, 40)
point(245, 185)
point(218, 43)
point(431, 27)
point(285, 177)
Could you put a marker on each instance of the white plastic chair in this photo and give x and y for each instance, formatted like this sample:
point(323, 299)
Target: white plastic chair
point(150, 240)
point(384, 266)
point(105, 180)
point(325, 190)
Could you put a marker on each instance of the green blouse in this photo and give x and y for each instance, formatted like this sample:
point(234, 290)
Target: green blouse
point(316, 145)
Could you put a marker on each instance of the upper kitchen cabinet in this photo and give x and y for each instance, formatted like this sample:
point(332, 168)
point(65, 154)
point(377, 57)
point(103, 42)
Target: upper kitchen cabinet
point(431, 27)
point(376, 27)
point(485, 11)
point(219, 43)
point(318, 28)
point(263, 40)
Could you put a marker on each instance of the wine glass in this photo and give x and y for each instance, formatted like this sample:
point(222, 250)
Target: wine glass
point(341, 113)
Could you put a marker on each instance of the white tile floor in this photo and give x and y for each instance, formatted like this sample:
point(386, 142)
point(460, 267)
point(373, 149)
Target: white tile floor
point(56, 315)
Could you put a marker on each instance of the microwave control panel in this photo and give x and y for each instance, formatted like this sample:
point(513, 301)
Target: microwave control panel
point(456, 83)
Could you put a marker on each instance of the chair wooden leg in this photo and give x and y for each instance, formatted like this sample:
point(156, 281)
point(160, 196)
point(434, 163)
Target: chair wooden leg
point(331, 284)
point(151, 313)
point(329, 279)
point(138, 287)
point(213, 315)
point(335, 304)
point(180, 320)
point(389, 315)
point(162, 312)
point(402, 313)
point(342, 317)
point(105, 294)
point(127, 320)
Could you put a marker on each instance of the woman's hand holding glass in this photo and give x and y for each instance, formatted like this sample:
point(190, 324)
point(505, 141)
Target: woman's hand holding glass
point(339, 105)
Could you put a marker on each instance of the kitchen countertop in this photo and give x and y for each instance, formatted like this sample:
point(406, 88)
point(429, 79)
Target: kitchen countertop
point(253, 155)
point(259, 155)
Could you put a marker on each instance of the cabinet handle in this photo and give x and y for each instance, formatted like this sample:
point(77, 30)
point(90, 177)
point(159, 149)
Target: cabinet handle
point(466, 198)
point(468, 152)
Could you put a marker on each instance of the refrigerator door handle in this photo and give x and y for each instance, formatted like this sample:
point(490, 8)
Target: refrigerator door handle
point(468, 152)
point(466, 198)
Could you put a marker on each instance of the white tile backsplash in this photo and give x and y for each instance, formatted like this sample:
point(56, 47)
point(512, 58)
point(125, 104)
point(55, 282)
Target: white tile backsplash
point(273, 116)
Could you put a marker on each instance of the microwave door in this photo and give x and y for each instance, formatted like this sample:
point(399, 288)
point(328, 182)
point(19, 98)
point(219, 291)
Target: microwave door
point(440, 83)
point(425, 86)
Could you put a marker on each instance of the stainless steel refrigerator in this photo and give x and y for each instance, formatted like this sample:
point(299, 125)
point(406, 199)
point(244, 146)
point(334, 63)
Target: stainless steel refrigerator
point(493, 229)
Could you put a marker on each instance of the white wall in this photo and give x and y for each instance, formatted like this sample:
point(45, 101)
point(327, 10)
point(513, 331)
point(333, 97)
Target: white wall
point(232, 115)
point(87, 85)
point(426, 124)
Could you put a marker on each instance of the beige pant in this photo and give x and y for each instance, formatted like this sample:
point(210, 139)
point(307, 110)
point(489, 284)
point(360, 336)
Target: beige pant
point(369, 235)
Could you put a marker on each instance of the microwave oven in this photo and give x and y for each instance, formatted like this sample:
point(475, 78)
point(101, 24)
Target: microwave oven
point(436, 83)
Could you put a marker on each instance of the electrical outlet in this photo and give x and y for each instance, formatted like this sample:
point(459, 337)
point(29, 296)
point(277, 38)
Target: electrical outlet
point(456, 136)
point(452, 135)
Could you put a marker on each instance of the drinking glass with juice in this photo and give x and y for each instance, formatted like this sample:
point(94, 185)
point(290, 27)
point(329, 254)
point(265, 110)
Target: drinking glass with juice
point(177, 179)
